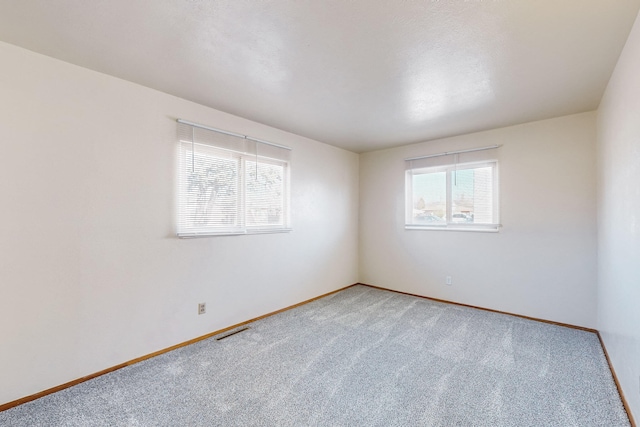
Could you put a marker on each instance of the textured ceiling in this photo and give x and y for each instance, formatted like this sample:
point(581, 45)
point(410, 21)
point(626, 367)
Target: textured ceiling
point(359, 74)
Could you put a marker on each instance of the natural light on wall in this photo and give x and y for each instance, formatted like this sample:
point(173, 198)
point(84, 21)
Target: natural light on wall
point(230, 183)
point(453, 191)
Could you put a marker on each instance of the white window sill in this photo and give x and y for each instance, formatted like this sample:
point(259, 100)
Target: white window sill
point(488, 229)
point(194, 235)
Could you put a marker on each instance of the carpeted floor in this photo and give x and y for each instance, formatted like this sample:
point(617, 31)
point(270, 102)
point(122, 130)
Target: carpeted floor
point(360, 357)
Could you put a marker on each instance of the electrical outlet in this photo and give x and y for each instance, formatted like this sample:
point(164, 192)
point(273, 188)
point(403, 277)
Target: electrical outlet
point(202, 308)
point(448, 280)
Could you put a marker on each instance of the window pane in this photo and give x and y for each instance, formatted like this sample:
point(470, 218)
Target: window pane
point(264, 194)
point(472, 196)
point(429, 198)
point(211, 190)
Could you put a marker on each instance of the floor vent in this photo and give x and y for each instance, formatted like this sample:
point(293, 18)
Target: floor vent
point(232, 333)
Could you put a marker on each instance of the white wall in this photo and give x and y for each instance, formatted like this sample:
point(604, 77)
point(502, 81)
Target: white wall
point(542, 263)
point(619, 219)
point(91, 274)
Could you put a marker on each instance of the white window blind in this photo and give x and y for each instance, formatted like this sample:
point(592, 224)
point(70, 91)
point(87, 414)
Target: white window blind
point(230, 183)
point(453, 191)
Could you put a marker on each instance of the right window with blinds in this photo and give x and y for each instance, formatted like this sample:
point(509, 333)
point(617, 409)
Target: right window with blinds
point(446, 194)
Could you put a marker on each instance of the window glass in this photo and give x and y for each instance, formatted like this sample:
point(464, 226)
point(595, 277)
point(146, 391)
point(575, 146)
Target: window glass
point(430, 198)
point(472, 195)
point(265, 191)
point(212, 191)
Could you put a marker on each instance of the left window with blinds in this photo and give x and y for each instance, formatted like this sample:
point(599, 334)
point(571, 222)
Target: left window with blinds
point(230, 183)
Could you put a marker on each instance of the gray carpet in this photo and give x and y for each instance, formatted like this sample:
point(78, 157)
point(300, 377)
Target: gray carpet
point(361, 357)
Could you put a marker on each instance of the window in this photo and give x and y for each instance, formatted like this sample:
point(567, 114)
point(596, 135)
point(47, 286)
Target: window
point(443, 194)
point(230, 184)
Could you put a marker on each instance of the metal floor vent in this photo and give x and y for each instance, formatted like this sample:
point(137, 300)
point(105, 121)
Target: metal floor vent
point(232, 333)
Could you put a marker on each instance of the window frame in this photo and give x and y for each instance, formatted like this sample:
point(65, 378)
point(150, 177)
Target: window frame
point(241, 228)
point(449, 170)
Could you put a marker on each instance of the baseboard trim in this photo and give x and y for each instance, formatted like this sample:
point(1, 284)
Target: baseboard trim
point(625, 404)
point(17, 402)
point(566, 325)
point(627, 408)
